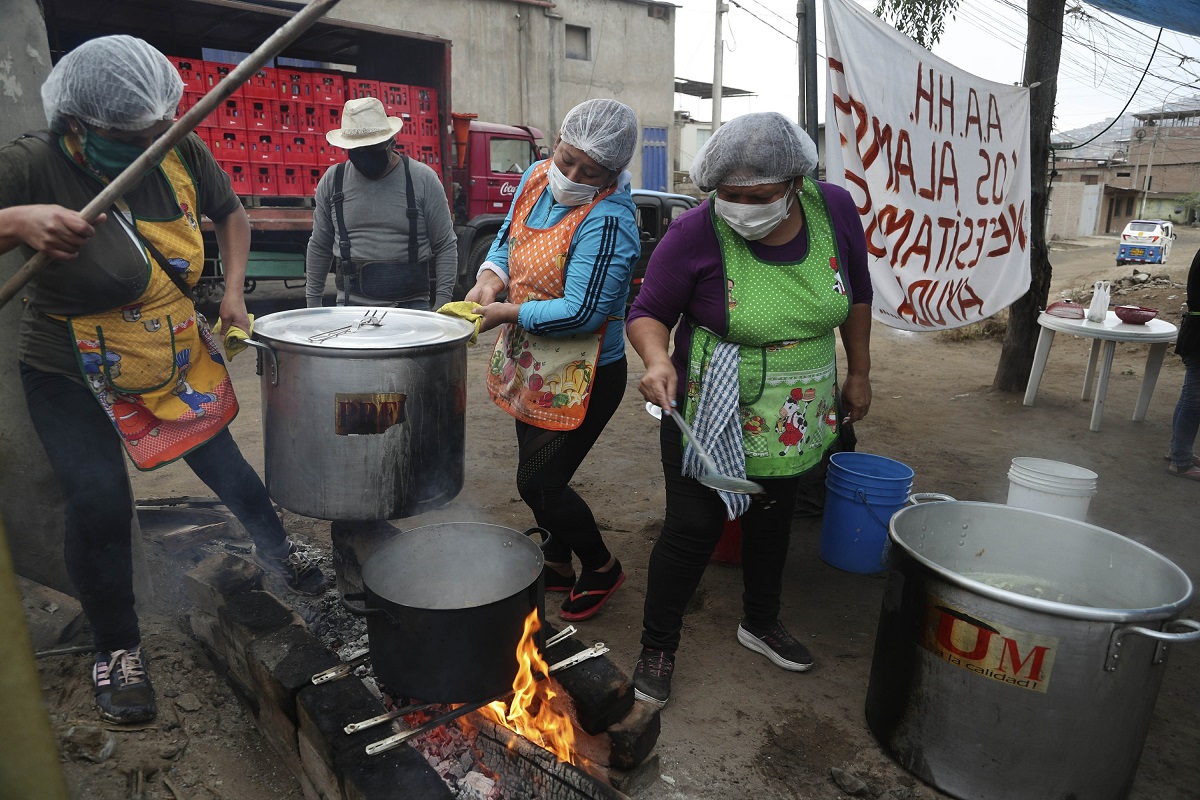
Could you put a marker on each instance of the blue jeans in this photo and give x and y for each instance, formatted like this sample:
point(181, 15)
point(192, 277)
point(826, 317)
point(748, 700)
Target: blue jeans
point(86, 454)
point(1186, 421)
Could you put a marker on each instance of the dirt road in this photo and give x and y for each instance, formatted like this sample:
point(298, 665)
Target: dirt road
point(737, 727)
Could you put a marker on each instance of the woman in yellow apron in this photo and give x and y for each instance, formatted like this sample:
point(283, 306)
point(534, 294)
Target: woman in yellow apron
point(566, 255)
point(762, 274)
point(113, 356)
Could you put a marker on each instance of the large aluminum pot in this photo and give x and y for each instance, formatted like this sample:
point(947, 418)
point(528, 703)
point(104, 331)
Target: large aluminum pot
point(446, 606)
point(1019, 654)
point(363, 410)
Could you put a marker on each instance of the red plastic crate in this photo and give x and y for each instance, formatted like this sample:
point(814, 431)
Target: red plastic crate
point(286, 115)
point(214, 73)
point(228, 144)
point(298, 148)
point(311, 176)
point(328, 87)
point(259, 114)
point(266, 147)
point(264, 179)
point(262, 84)
point(239, 176)
point(191, 70)
point(330, 117)
point(357, 88)
point(406, 147)
point(186, 102)
point(294, 84)
point(328, 154)
point(310, 119)
point(395, 98)
point(426, 127)
point(424, 100)
point(291, 181)
point(231, 114)
point(428, 154)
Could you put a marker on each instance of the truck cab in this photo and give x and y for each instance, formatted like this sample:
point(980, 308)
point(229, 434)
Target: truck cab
point(1146, 241)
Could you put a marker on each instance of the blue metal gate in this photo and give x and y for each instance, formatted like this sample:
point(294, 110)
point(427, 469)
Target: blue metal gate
point(654, 159)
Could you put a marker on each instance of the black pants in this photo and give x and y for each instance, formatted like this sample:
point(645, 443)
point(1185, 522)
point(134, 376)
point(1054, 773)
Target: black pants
point(694, 523)
point(547, 462)
point(86, 454)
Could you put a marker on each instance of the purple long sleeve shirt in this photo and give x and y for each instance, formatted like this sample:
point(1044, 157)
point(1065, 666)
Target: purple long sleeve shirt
point(685, 275)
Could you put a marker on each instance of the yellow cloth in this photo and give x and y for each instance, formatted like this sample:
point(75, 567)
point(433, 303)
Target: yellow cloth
point(235, 338)
point(466, 311)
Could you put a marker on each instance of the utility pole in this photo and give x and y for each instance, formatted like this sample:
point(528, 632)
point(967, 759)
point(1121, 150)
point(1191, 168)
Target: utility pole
point(718, 52)
point(806, 43)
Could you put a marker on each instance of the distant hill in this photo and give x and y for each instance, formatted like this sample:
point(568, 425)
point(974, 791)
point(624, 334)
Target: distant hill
point(1113, 143)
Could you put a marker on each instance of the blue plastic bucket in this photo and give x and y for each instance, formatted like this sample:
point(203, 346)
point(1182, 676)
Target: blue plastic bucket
point(862, 492)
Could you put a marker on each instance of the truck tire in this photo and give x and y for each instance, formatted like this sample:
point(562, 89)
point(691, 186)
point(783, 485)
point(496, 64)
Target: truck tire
point(478, 254)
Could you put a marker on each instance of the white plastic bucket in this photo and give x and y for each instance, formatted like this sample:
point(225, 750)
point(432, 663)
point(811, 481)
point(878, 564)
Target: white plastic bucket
point(1053, 487)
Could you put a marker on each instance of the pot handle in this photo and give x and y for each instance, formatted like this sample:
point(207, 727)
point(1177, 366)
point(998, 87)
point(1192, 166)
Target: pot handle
point(546, 537)
point(265, 348)
point(1163, 637)
point(359, 611)
point(916, 498)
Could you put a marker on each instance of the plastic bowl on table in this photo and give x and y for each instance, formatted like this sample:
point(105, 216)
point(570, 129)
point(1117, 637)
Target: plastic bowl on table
point(1067, 309)
point(1135, 315)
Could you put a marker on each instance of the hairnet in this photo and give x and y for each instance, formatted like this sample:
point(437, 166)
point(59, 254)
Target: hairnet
point(607, 130)
point(765, 147)
point(118, 82)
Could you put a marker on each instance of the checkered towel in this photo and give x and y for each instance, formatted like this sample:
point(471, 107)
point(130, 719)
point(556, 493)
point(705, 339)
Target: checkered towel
point(718, 426)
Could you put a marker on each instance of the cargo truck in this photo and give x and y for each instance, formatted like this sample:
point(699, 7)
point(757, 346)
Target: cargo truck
point(270, 135)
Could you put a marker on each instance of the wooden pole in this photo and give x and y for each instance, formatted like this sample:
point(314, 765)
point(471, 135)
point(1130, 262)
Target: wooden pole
point(275, 44)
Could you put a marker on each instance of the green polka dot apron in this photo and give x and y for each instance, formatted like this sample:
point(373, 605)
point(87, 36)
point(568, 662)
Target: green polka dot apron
point(782, 316)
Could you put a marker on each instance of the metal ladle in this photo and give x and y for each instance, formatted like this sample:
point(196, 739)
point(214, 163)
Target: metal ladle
point(712, 477)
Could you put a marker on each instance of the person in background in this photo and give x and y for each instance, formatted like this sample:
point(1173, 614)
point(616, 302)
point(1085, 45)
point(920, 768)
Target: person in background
point(755, 281)
point(112, 353)
point(380, 219)
point(1186, 421)
point(565, 254)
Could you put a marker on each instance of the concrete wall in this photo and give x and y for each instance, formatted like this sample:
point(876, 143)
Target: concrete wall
point(30, 498)
point(1074, 210)
point(509, 61)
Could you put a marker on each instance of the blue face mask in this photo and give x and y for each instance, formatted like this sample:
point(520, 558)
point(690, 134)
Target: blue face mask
point(108, 156)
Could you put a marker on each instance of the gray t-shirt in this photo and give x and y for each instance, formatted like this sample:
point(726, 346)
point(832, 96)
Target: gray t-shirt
point(376, 219)
point(111, 271)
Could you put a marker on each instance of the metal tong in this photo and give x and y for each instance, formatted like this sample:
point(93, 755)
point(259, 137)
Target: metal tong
point(373, 318)
point(342, 670)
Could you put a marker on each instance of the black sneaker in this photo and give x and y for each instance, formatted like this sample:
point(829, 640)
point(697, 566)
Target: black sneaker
point(123, 690)
point(778, 645)
point(298, 569)
point(652, 676)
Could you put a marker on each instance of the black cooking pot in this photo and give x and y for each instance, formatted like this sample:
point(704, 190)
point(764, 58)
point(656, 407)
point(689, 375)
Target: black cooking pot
point(446, 606)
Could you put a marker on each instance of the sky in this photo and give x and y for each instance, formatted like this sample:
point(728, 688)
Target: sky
point(1104, 57)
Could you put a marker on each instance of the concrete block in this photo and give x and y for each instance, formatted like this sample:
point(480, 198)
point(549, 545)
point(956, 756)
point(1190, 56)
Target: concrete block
point(282, 663)
point(602, 693)
point(635, 781)
point(219, 577)
point(633, 738)
point(207, 629)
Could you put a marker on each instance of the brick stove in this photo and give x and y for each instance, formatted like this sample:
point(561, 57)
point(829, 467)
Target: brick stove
point(269, 656)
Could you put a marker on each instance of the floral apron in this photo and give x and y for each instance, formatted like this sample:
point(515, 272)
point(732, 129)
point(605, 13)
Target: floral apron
point(153, 365)
point(544, 381)
point(783, 317)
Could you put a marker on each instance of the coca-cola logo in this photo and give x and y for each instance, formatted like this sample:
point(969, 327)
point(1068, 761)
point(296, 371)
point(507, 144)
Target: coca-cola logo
point(508, 189)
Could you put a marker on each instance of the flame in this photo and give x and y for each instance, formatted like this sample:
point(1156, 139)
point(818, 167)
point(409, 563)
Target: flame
point(531, 712)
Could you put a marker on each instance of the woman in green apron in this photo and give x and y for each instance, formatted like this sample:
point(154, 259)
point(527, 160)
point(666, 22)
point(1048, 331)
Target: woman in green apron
point(113, 356)
point(755, 282)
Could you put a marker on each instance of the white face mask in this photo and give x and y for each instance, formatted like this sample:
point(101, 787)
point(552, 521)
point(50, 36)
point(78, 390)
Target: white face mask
point(753, 221)
point(567, 192)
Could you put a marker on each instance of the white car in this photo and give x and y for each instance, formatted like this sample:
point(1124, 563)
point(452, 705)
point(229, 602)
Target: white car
point(1146, 241)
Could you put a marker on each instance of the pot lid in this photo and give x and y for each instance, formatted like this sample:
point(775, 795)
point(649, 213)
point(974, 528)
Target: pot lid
point(361, 328)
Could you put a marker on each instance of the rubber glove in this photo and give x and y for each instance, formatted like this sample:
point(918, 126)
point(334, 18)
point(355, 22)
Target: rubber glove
point(464, 310)
point(235, 338)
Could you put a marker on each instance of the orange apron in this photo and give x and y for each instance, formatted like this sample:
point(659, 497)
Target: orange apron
point(153, 365)
point(544, 381)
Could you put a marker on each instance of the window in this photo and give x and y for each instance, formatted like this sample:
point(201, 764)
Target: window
point(647, 221)
point(579, 42)
point(1091, 180)
point(510, 155)
point(1123, 174)
point(1129, 206)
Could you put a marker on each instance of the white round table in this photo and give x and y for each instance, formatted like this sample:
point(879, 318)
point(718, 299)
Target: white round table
point(1104, 335)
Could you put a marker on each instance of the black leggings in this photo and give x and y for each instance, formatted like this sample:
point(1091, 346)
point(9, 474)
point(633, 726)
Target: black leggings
point(86, 454)
point(694, 523)
point(547, 462)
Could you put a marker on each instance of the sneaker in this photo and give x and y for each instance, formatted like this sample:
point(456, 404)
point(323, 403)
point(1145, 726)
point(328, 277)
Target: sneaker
point(298, 569)
point(591, 592)
point(652, 676)
point(778, 645)
point(123, 690)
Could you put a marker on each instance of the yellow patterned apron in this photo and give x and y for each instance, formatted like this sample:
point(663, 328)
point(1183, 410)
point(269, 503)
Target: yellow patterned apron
point(153, 364)
point(542, 380)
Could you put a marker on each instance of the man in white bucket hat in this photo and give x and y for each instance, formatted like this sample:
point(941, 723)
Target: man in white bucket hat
point(379, 226)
